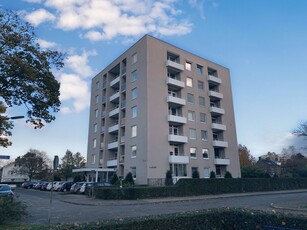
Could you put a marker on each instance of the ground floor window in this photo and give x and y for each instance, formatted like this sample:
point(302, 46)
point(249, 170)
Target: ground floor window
point(206, 172)
point(133, 171)
point(179, 170)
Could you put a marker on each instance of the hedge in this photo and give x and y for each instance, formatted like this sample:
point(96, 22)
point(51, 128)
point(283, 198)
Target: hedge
point(194, 187)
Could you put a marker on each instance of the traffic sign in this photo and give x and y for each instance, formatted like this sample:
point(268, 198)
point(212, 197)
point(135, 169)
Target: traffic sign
point(4, 157)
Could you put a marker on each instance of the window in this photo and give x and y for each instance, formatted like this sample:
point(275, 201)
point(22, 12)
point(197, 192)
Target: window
point(204, 135)
point(188, 66)
point(134, 58)
point(173, 130)
point(199, 70)
point(97, 99)
point(133, 151)
point(191, 115)
point(174, 150)
point(201, 101)
point(96, 113)
point(95, 128)
point(93, 158)
point(202, 117)
point(180, 170)
point(200, 85)
point(97, 85)
point(206, 172)
point(133, 131)
point(205, 153)
point(134, 75)
point(133, 93)
point(193, 152)
point(191, 98)
point(133, 171)
point(189, 82)
point(134, 112)
point(192, 133)
point(94, 143)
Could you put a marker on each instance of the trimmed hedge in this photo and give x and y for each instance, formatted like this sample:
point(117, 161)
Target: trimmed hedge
point(194, 187)
point(205, 219)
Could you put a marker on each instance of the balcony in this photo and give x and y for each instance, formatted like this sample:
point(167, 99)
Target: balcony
point(220, 144)
point(176, 101)
point(215, 94)
point(114, 112)
point(115, 83)
point(113, 128)
point(175, 83)
point(178, 159)
point(113, 145)
point(112, 163)
point(174, 65)
point(115, 97)
point(216, 110)
point(177, 138)
point(177, 119)
point(220, 161)
point(214, 80)
point(218, 127)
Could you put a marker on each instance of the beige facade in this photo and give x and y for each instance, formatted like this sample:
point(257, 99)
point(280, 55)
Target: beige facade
point(158, 108)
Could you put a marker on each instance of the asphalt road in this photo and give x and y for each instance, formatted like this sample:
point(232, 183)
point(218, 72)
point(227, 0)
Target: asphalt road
point(72, 208)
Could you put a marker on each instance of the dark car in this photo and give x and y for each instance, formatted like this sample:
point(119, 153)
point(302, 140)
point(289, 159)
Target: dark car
point(92, 184)
point(6, 191)
point(27, 185)
point(65, 186)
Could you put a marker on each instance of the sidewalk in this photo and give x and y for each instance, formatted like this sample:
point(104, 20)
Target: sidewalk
point(85, 200)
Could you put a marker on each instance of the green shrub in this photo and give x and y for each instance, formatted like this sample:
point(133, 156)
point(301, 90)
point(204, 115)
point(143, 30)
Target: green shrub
point(128, 179)
point(11, 210)
point(228, 175)
point(114, 179)
point(195, 174)
point(212, 174)
point(169, 178)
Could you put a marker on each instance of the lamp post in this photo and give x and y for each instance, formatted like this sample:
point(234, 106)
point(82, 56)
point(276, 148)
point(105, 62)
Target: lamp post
point(55, 166)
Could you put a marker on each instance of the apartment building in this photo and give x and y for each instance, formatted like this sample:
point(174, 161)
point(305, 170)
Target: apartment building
point(158, 108)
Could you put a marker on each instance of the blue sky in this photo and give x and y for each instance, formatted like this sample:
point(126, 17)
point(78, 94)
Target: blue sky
point(262, 42)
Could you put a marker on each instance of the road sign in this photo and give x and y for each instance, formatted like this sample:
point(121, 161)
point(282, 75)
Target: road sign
point(4, 157)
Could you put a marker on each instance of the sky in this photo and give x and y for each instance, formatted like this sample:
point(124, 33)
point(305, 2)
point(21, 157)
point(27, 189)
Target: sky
point(262, 42)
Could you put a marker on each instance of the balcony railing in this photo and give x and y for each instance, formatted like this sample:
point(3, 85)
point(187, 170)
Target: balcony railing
point(214, 80)
point(215, 94)
point(216, 126)
point(174, 82)
point(177, 138)
point(176, 100)
point(174, 65)
point(178, 159)
point(111, 163)
point(220, 143)
point(115, 82)
point(177, 119)
point(216, 110)
point(221, 161)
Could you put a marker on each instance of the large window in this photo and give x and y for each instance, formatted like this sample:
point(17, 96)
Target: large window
point(206, 172)
point(191, 98)
point(200, 85)
point(97, 85)
point(134, 58)
point(205, 153)
point(201, 101)
point(204, 135)
point(133, 131)
point(134, 75)
point(188, 66)
point(199, 70)
point(202, 117)
point(93, 158)
point(180, 170)
point(192, 133)
point(189, 82)
point(191, 115)
point(133, 151)
point(133, 93)
point(95, 128)
point(193, 151)
point(94, 143)
point(134, 112)
point(96, 113)
point(97, 99)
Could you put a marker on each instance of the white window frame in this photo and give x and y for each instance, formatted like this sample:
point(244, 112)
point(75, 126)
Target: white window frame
point(133, 131)
point(191, 132)
point(189, 82)
point(203, 151)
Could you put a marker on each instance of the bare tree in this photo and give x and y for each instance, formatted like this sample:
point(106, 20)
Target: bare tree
point(301, 130)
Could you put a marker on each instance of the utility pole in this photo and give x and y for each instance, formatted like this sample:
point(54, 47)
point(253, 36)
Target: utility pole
point(55, 166)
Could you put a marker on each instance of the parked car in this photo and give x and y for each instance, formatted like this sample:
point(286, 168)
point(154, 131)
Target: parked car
point(44, 186)
point(38, 185)
point(65, 186)
point(57, 185)
point(27, 184)
point(75, 188)
point(6, 191)
point(92, 184)
point(50, 186)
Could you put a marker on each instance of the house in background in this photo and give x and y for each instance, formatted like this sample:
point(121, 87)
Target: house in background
point(158, 108)
point(8, 174)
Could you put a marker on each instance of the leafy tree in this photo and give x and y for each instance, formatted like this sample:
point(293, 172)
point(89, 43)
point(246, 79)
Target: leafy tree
point(246, 159)
point(69, 162)
point(253, 172)
point(195, 174)
point(5, 126)
point(26, 76)
point(301, 130)
point(169, 178)
point(32, 163)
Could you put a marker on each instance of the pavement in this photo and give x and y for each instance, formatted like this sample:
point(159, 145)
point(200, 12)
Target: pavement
point(85, 200)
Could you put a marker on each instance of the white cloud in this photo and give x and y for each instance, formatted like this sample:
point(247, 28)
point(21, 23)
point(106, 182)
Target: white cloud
point(79, 63)
point(199, 5)
point(107, 19)
point(74, 88)
point(33, 1)
point(39, 16)
point(46, 44)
